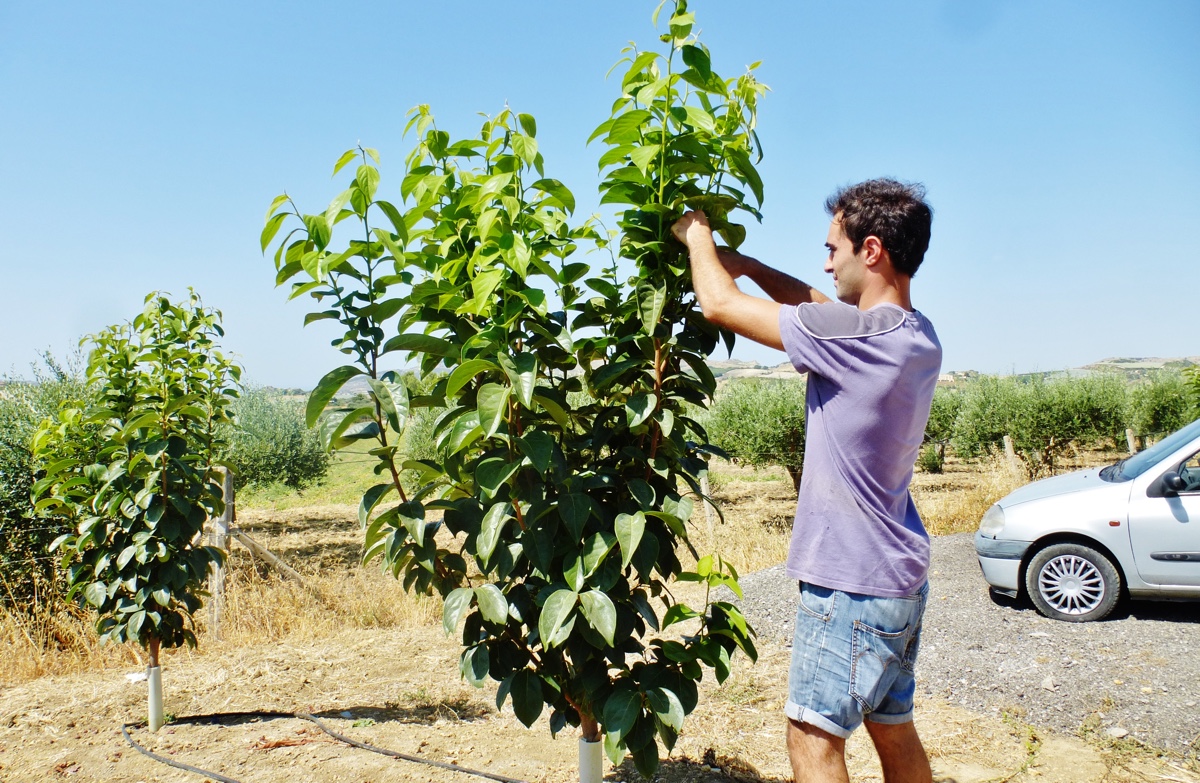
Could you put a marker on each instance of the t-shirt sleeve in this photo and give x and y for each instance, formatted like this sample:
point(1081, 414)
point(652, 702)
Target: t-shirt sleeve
point(807, 351)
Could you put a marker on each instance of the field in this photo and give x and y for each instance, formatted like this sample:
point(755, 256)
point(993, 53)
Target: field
point(372, 662)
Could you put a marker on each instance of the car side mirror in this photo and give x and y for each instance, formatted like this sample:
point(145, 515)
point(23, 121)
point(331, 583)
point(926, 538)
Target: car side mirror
point(1172, 483)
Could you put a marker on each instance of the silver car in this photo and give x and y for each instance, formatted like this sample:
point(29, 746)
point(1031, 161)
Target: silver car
point(1074, 544)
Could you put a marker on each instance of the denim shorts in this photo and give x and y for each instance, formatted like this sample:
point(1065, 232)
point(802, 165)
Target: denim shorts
point(853, 657)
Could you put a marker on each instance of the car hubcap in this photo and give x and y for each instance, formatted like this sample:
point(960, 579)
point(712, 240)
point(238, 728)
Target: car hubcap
point(1071, 585)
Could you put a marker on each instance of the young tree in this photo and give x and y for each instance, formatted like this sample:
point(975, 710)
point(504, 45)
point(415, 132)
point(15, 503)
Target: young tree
point(567, 465)
point(135, 473)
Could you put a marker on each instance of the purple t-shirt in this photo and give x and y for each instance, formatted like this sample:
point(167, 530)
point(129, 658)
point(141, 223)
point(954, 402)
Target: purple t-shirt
point(871, 376)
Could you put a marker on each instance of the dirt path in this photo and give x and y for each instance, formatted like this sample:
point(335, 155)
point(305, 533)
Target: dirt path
point(401, 690)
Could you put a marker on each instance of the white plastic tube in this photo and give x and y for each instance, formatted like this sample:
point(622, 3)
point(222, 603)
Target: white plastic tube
point(591, 761)
point(154, 678)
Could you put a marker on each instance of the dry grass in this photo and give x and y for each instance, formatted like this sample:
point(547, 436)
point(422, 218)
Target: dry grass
point(323, 542)
point(955, 500)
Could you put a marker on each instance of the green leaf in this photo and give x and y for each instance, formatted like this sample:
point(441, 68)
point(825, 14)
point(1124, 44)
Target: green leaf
point(342, 427)
point(558, 192)
point(696, 57)
point(557, 609)
point(392, 396)
point(667, 707)
point(629, 529)
point(651, 300)
point(370, 499)
point(538, 445)
point(526, 692)
point(621, 711)
point(601, 614)
point(492, 473)
point(595, 550)
point(521, 370)
point(491, 528)
point(474, 664)
point(456, 605)
point(639, 408)
point(421, 343)
point(492, 603)
point(270, 229)
point(627, 128)
point(465, 372)
point(642, 157)
point(412, 515)
point(492, 401)
point(575, 509)
point(525, 147)
point(95, 594)
point(528, 124)
point(326, 388)
point(347, 156)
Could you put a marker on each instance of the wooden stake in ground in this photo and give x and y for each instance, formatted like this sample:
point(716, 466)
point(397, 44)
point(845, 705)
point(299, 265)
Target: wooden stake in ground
point(1131, 439)
point(220, 540)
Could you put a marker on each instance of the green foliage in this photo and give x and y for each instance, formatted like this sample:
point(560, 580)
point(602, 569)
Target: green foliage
point(566, 463)
point(1192, 376)
point(26, 566)
point(1042, 417)
point(931, 459)
point(943, 413)
point(1159, 404)
point(134, 473)
point(270, 442)
point(760, 423)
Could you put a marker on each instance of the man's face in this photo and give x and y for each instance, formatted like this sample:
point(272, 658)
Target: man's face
point(846, 266)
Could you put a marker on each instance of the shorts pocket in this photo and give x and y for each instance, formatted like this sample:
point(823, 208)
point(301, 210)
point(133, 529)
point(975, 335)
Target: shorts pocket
point(876, 661)
point(817, 601)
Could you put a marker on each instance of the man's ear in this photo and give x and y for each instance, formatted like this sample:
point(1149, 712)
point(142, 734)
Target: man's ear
point(872, 251)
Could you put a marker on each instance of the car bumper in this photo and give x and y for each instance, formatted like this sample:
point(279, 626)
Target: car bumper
point(1001, 562)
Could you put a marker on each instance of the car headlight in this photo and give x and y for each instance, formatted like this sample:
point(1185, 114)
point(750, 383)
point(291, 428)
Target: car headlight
point(992, 522)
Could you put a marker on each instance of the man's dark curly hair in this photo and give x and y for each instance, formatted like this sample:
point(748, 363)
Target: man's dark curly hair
point(894, 211)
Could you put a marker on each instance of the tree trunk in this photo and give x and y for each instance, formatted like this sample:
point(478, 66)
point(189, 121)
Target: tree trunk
point(589, 729)
point(794, 473)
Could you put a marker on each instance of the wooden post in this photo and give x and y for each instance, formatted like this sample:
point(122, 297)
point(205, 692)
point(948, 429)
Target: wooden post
point(1131, 439)
point(708, 509)
point(220, 540)
point(1011, 452)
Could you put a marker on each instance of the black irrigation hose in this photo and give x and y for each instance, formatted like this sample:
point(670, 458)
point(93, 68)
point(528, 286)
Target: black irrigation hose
point(218, 716)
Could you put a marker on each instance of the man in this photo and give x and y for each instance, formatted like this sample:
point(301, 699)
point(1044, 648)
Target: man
point(859, 549)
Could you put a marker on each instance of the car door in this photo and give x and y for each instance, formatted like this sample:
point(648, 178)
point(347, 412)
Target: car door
point(1164, 527)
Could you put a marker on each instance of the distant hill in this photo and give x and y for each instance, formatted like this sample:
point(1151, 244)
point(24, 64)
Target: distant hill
point(1133, 368)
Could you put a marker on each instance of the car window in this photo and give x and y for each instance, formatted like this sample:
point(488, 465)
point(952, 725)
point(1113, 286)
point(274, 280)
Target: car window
point(1189, 471)
point(1139, 463)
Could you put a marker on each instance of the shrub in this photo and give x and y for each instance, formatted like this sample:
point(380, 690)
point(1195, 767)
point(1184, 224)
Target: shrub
point(1043, 417)
point(760, 423)
point(1158, 405)
point(26, 567)
point(931, 459)
point(271, 443)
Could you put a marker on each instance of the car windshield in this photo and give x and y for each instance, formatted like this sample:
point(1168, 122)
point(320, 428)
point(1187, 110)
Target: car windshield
point(1132, 467)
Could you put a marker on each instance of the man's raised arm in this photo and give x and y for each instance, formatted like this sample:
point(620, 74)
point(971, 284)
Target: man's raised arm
point(781, 287)
point(720, 300)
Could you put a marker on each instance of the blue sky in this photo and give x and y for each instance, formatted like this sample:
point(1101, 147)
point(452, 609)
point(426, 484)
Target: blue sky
point(140, 144)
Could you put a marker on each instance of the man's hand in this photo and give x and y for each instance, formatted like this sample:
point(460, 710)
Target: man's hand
point(692, 227)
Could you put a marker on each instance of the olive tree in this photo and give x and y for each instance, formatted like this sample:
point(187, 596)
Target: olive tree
point(761, 423)
point(567, 465)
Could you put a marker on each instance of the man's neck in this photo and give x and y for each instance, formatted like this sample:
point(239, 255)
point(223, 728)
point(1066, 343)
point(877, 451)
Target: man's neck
point(890, 292)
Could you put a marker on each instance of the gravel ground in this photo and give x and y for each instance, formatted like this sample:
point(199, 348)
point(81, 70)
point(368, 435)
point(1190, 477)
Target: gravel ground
point(1134, 675)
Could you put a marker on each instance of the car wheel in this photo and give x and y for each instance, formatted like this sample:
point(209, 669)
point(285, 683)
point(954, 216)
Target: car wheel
point(1072, 582)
